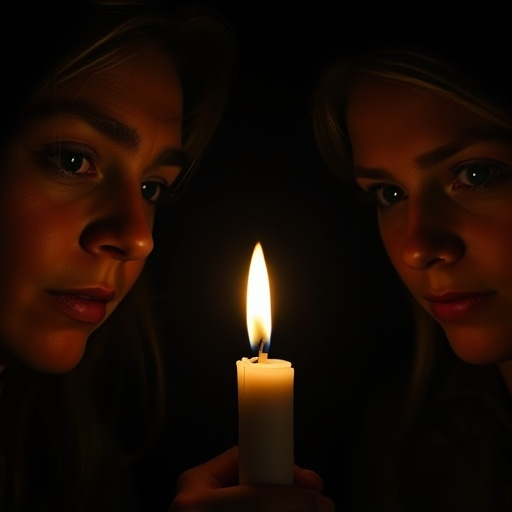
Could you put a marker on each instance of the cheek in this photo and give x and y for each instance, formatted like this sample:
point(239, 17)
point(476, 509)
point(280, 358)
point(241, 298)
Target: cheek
point(494, 252)
point(39, 231)
point(393, 246)
point(134, 270)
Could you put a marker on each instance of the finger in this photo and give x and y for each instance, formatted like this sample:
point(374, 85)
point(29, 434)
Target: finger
point(221, 471)
point(308, 479)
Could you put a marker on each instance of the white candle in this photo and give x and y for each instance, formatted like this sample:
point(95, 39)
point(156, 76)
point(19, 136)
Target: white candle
point(265, 393)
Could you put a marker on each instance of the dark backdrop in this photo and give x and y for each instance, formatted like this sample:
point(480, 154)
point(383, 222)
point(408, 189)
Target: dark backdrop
point(263, 181)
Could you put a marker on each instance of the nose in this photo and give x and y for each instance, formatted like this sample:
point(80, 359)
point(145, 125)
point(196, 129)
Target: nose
point(432, 235)
point(120, 226)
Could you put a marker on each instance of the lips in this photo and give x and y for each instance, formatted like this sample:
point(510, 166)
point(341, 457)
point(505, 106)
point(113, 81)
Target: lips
point(87, 305)
point(458, 306)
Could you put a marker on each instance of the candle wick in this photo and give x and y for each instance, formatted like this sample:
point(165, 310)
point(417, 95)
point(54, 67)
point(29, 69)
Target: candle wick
point(262, 356)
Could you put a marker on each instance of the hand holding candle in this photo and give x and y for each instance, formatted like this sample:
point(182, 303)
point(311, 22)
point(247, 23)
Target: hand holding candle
point(265, 393)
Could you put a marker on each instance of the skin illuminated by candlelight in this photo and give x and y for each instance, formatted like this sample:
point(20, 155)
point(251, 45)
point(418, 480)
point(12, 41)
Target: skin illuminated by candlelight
point(84, 204)
point(413, 150)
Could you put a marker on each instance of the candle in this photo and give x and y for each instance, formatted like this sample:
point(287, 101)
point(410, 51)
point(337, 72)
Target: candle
point(265, 393)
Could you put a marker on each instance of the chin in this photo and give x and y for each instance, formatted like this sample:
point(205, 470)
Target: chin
point(56, 354)
point(476, 348)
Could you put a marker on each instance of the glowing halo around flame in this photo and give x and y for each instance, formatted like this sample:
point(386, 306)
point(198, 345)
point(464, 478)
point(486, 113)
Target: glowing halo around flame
point(259, 317)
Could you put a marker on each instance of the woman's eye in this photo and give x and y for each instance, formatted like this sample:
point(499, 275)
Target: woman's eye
point(70, 162)
point(479, 175)
point(151, 190)
point(386, 195)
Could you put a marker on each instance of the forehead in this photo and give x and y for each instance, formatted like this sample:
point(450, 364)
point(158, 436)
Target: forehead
point(392, 117)
point(372, 99)
point(144, 77)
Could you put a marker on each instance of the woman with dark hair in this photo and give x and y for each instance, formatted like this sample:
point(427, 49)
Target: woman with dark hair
point(109, 105)
point(421, 128)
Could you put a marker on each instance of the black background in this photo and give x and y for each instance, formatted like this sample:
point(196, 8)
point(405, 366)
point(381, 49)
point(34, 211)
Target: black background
point(263, 181)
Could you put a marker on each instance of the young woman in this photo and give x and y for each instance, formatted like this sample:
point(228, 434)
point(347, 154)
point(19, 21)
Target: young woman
point(108, 105)
point(423, 129)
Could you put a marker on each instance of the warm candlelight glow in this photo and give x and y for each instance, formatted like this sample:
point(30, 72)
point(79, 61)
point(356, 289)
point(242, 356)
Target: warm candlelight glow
point(265, 393)
point(259, 318)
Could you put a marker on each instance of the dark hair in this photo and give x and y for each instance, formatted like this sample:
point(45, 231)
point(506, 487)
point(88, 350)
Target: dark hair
point(67, 439)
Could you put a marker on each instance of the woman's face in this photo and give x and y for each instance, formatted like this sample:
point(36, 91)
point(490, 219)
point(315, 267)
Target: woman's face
point(77, 202)
point(442, 179)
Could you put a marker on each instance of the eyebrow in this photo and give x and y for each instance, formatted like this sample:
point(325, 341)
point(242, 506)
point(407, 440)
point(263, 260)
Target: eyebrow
point(115, 130)
point(438, 155)
point(442, 153)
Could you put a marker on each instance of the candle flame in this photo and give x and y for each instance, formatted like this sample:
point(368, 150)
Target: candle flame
point(259, 318)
